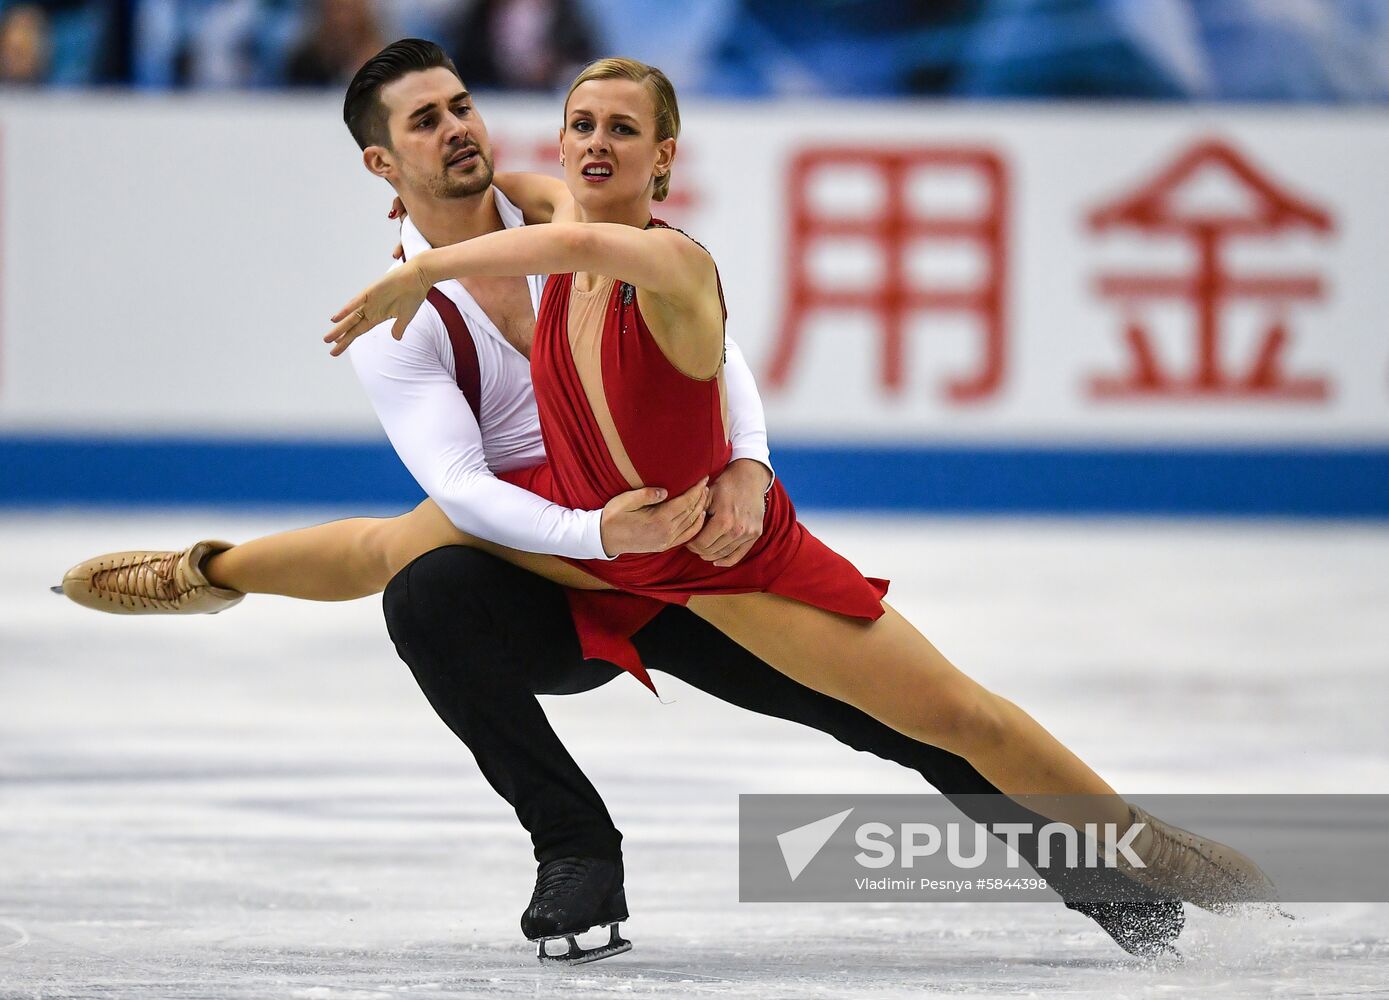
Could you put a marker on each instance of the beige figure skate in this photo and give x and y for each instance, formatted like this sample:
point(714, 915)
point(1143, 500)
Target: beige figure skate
point(149, 583)
point(1194, 868)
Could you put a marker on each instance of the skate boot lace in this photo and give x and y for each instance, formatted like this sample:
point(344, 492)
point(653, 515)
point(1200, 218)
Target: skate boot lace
point(142, 581)
point(1194, 863)
point(1173, 853)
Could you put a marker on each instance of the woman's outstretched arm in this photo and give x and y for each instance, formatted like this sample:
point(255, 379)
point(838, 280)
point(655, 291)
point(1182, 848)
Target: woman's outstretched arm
point(662, 262)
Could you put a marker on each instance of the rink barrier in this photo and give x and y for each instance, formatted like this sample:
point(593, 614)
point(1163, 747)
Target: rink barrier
point(1265, 481)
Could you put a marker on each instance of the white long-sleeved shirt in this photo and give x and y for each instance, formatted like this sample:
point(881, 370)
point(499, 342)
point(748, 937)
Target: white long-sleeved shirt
point(454, 455)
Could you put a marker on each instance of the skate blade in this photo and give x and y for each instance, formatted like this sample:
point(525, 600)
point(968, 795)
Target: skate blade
point(581, 956)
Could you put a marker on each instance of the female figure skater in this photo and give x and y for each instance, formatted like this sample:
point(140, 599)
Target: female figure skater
point(626, 366)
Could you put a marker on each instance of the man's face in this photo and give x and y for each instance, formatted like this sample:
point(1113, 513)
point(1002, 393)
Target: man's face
point(440, 145)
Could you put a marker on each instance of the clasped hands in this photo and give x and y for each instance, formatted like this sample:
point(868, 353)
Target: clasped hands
point(718, 521)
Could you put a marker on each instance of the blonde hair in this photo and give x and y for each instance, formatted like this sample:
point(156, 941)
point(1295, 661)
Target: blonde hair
point(658, 85)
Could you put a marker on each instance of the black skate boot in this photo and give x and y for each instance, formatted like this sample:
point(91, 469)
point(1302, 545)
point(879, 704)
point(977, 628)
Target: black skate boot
point(1147, 929)
point(1143, 922)
point(573, 895)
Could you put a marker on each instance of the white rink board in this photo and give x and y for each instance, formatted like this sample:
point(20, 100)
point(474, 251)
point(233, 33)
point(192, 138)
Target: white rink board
point(168, 263)
point(262, 803)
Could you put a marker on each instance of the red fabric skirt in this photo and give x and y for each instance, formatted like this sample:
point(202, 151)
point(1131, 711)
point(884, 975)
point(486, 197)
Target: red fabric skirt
point(786, 560)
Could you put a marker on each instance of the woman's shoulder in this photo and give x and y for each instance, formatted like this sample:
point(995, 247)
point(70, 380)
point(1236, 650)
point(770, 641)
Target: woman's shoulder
point(692, 252)
point(661, 224)
point(697, 250)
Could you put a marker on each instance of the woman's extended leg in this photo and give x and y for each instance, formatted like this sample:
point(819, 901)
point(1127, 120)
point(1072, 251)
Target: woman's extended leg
point(344, 560)
point(337, 561)
point(889, 670)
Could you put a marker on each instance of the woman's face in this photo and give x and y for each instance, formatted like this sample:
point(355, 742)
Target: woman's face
point(609, 146)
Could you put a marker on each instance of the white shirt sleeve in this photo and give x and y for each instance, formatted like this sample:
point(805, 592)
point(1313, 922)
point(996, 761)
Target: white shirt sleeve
point(433, 430)
point(747, 423)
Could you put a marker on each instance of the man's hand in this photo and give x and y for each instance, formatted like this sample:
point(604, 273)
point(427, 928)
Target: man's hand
point(736, 506)
point(645, 521)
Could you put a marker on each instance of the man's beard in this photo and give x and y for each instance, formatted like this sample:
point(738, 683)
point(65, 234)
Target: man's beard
point(479, 179)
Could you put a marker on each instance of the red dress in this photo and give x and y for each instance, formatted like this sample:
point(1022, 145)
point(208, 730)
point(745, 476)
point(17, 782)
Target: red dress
point(671, 426)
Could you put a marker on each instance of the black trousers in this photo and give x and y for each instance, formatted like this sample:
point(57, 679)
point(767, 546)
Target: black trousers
point(483, 638)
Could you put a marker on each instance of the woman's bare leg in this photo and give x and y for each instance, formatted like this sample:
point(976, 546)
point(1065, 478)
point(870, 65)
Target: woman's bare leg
point(356, 557)
point(889, 670)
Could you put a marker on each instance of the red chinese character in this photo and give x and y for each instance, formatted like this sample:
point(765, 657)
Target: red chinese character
point(1156, 209)
point(895, 227)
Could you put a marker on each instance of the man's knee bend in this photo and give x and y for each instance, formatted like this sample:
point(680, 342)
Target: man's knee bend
point(437, 589)
point(395, 603)
point(468, 600)
point(460, 573)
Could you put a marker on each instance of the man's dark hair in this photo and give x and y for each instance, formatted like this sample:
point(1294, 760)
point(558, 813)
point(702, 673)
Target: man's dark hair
point(362, 109)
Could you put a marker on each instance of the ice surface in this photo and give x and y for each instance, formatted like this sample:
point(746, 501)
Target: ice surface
point(261, 804)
